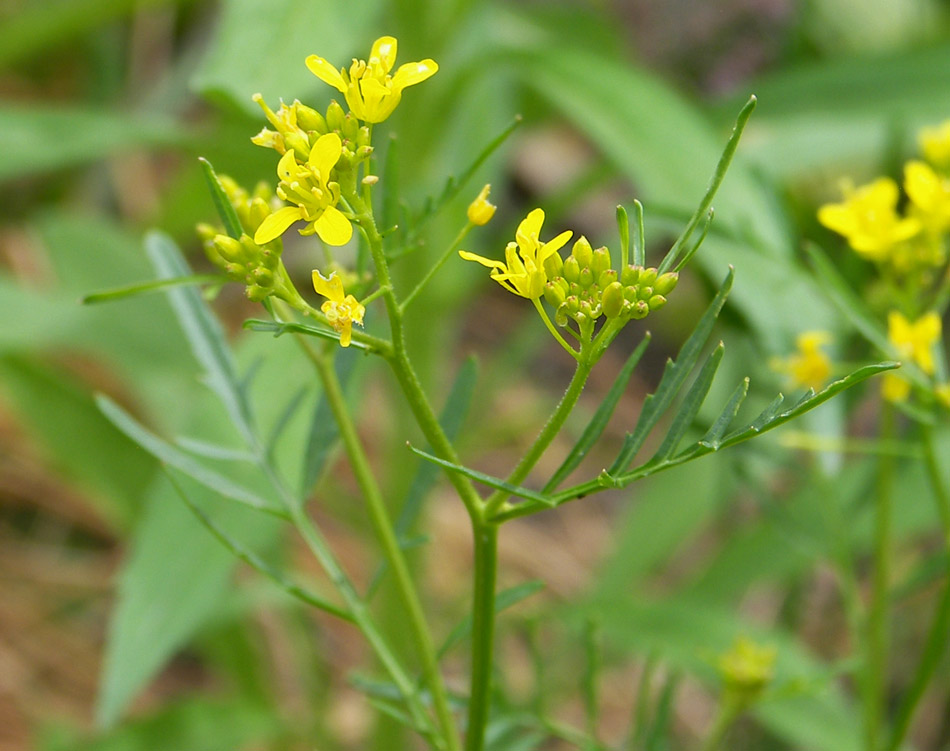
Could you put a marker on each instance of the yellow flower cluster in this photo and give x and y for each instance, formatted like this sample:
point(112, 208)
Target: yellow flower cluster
point(914, 342)
point(810, 366)
point(875, 228)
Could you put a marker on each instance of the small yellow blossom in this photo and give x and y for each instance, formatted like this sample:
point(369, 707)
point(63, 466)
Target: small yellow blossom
point(869, 220)
point(523, 273)
point(342, 311)
point(292, 123)
point(810, 366)
point(935, 145)
point(480, 211)
point(930, 195)
point(915, 341)
point(370, 91)
point(895, 388)
point(315, 198)
point(746, 669)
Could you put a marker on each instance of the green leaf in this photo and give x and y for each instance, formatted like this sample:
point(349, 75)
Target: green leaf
point(213, 450)
point(279, 328)
point(691, 404)
point(224, 207)
point(600, 419)
point(141, 288)
point(203, 332)
point(167, 453)
point(492, 482)
point(717, 430)
point(674, 376)
point(45, 138)
point(503, 600)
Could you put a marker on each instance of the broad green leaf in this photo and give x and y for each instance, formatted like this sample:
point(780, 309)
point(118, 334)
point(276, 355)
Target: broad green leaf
point(600, 419)
point(674, 376)
point(168, 454)
point(43, 138)
point(261, 47)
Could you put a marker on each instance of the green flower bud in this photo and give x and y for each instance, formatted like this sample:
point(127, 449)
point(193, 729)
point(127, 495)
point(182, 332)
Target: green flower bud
point(228, 248)
point(644, 293)
point(258, 211)
point(351, 128)
point(586, 278)
point(561, 315)
point(665, 283)
point(553, 265)
point(572, 269)
point(257, 293)
point(263, 277)
point(309, 119)
point(573, 305)
point(630, 294)
point(554, 294)
point(583, 252)
point(363, 137)
point(612, 300)
point(648, 277)
point(299, 144)
point(575, 289)
point(206, 232)
point(606, 278)
point(601, 261)
point(335, 115)
point(586, 309)
point(656, 302)
point(639, 310)
point(630, 275)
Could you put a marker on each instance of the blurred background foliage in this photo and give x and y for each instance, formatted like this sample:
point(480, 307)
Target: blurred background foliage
point(125, 625)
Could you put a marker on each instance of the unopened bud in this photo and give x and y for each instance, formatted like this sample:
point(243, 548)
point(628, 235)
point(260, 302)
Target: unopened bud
point(647, 277)
point(656, 302)
point(309, 119)
point(370, 180)
point(639, 310)
point(644, 293)
point(586, 278)
point(606, 278)
point(572, 269)
point(554, 294)
point(630, 275)
point(335, 116)
point(583, 252)
point(480, 211)
point(601, 261)
point(666, 282)
point(612, 300)
point(553, 265)
point(228, 248)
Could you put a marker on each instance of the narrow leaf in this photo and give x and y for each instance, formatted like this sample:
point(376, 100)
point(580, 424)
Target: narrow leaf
point(167, 453)
point(255, 561)
point(504, 600)
point(623, 228)
point(718, 429)
point(691, 404)
point(213, 450)
point(600, 419)
point(639, 237)
point(279, 328)
point(492, 482)
point(323, 428)
point(674, 376)
point(229, 217)
point(293, 404)
point(143, 288)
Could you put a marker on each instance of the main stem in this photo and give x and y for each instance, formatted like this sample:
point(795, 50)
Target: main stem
point(393, 553)
point(485, 536)
point(875, 663)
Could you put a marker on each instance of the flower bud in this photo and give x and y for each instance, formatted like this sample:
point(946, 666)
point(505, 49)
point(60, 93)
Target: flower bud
point(583, 252)
point(553, 265)
point(601, 261)
point(572, 269)
point(644, 293)
point(480, 211)
point(561, 315)
point(656, 302)
point(586, 278)
point(647, 277)
point(335, 116)
point(554, 294)
point(665, 283)
point(573, 305)
point(351, 128)
point(606, 278)
point(299, 144)
point(229, 248)
point(612, 300)
point(630, 275)
point(309, 119)
point(258, 211)
point(639, 310)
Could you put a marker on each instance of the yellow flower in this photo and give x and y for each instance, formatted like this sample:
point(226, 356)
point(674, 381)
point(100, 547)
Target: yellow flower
point(930, 194)
point(480, 211)
point(869, 220)
point(810, 366)
point(370, 91)
point(914, 341)
point(895, 388)
point(524, 273)
point(342, 311)
point(315, 198)
point(935, 145)
point(747, 668)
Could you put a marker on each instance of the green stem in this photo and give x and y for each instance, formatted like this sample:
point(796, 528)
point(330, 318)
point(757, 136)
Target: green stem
point(724, 719)
point(483, 633)
point(393, 553)
point(936, 642)
point(554, 332)
point(435, 267)
point(548, 432)
point(876, 660)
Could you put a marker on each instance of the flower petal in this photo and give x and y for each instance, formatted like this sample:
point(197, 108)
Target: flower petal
point(276, 224)
point(482, 260)
point(325, 154)
point(287, 166)
point(331, 288)
point(530, 227)
point(384, 49)
point(333, 227)
point(550, 248)
point(413, 73)
point(326, 72)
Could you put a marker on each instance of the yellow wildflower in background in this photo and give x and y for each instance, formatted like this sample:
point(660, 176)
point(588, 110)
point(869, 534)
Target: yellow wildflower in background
point(935, 145)
point(746, 669)
point(930, 195)
point(308, 186)
point(480, 211)
point(895, 388)
point(523, 273)
point(371, 92)
point(810, 367)
point(915, 341)
point(869, 220)
point(341, 310)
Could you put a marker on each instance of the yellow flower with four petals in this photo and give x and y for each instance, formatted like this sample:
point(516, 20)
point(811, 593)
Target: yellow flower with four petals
point(371, 92)
point(341, 310)
point(523, 271)
point(308, 186)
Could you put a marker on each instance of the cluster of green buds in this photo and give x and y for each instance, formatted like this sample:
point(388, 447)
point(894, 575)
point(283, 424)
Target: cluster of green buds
point(256, 266)
point(298, 127)
point(584, 286)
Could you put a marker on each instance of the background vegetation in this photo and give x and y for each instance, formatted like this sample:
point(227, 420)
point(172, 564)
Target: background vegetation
point(125, 625)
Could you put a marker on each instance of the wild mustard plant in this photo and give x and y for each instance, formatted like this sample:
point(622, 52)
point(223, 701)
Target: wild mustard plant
point(326, 177)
